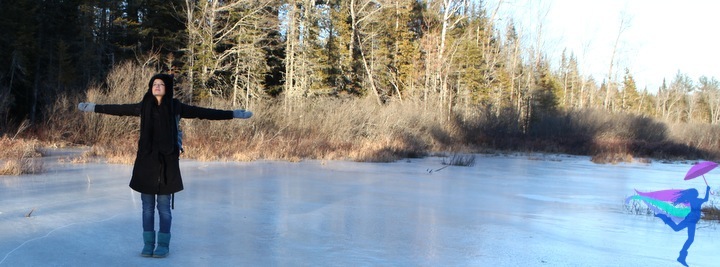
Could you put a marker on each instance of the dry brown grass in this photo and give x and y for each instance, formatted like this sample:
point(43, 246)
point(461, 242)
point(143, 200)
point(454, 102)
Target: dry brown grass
point(331, 128)
point(20, 156)
point(613, 138)
point(312, 128)
point(613, 158)
point(711, 213)
point(113, 138)
point(321, 128)
point(358, 129)
point(460, 160)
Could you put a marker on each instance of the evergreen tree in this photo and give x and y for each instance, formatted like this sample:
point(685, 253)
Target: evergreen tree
point(123, 29)
point(18, 29)
point(546, 90)
point(630, 96)
point(647, 104)
point(513, 64)
point(570, 80)
point(708, 91)
point(406, 35)
point(318, 31)
point(161, 26)
point(274, 52)
point(42, 43)
point(478, 60)
point(472, 74)
point(345, 67)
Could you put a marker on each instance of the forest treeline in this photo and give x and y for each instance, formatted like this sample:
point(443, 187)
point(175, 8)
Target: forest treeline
point(453, 58)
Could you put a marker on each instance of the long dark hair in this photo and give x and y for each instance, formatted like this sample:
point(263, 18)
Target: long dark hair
point(168, 124)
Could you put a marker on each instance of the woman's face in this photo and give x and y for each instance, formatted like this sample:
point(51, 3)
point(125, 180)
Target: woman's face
point(158, 88)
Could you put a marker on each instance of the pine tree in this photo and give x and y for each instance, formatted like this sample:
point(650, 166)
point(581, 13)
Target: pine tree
point(546, 90)
point(401, 41)
point(630, 96)
point(513, 64)
point(18, 28)
point(345, 68)
point(478, 60)
point(161, 29)
point(709, 93)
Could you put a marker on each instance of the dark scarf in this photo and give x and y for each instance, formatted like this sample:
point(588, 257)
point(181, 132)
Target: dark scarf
point(158, 130)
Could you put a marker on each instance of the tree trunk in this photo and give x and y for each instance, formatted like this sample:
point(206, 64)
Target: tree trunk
point(290, 47)
point(610, 80)
point(355, 22)
point(191, 35)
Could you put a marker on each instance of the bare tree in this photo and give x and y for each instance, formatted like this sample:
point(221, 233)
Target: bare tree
point(451, 16)
point(671, 100)
point(303, 64)
point(361, 14)
point(611, 80)
point(225, 36)
point(291, 49)
point(483, 36)
point(513, 62)
point(526, 94)
point(710, 91)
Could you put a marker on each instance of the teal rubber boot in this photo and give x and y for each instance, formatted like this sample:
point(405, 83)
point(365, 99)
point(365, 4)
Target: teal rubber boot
point(149, 239)
point(163, 245)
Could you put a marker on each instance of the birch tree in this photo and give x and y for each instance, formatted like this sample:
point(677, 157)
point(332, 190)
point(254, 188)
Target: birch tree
point(224, 37)
point(671, 100)
point(292, 48)
point(303, 50)
point(611, 84)
point(451, 15)
point(362, 12)
point(513, 62)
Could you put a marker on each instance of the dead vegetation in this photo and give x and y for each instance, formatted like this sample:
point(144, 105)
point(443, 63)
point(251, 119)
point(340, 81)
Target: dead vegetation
point(357, 128)
point(459, 160)
point(711, 213)
point(20, 156)
point(331, 128)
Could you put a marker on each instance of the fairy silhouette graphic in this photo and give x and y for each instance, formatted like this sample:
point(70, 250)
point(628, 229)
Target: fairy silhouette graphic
point(679, 209)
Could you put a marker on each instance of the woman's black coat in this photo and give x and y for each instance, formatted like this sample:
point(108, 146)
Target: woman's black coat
point(156, 169)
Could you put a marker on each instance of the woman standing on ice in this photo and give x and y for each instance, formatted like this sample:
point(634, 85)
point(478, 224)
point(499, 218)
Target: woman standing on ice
point(156, 171)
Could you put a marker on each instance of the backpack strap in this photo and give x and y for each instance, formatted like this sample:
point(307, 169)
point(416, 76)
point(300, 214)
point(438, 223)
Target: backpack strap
point(176, 104)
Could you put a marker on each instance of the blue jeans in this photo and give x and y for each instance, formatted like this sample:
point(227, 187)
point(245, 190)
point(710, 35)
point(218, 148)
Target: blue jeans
point(163, 208)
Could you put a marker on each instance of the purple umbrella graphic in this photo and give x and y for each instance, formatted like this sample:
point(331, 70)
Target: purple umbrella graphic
point(700, 169)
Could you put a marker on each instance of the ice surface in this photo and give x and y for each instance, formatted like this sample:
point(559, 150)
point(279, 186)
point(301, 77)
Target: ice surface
point(504, 211)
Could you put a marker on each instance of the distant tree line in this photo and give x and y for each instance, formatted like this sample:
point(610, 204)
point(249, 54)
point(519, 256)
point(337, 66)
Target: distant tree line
point(449, 54)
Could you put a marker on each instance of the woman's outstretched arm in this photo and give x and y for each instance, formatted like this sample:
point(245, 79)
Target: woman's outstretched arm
point(117, 110)
point(192, 112)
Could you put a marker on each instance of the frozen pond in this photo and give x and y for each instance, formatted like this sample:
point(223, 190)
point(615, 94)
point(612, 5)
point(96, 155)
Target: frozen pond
point(503, 211)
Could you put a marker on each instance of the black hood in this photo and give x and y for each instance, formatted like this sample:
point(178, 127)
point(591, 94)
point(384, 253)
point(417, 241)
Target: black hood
point(169, 89)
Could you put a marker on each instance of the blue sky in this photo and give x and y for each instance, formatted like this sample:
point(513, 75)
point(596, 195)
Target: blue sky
point(660, 37)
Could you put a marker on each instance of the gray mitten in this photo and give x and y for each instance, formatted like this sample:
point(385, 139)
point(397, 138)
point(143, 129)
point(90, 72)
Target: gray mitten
point(87, 107)
point(241, 114)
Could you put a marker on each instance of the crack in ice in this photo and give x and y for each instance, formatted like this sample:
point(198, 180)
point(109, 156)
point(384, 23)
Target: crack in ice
point(49, 233)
